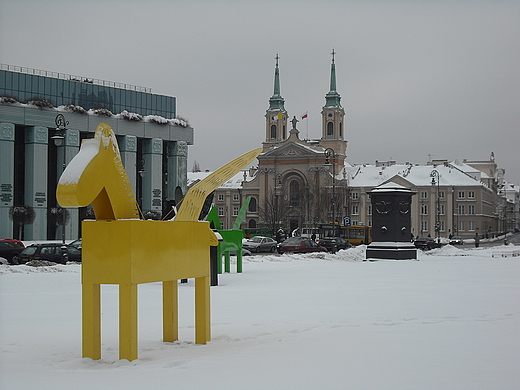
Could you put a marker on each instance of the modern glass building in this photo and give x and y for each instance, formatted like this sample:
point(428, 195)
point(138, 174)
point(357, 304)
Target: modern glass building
point(152, 142)
point(62, 89)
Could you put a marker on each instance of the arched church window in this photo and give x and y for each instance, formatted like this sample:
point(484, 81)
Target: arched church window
point(284, 132)
point(330, 129)
point(252, 224)
point(341, 129)
point(273, 131)
point(252, 205)
point(294, 188)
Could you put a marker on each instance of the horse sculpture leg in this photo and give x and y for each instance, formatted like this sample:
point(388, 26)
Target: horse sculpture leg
point(128, 321)
point(202, 312)
point(91, 321)
point(170, 311)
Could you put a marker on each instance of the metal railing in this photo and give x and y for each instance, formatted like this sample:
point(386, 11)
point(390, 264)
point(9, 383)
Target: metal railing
point(81, 79)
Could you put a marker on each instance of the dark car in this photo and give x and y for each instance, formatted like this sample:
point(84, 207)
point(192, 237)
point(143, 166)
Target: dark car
point(425, 243)
point(333, 244)
point(299, 245)
point(260, 244)
point(76, 243)
point(57, 253)
point(456, 240)
point(10, 249)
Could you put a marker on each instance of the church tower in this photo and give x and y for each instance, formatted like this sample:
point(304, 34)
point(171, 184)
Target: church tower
point(276, 116)
point(333, 115)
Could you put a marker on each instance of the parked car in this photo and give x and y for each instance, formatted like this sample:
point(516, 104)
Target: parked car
point(10, 248)
point(57, 253)
point(245, 252)
point(333, 244)
point(300, 245)
point(456, 240)
point(260, 244)
point(76, 243)
point(425, 243)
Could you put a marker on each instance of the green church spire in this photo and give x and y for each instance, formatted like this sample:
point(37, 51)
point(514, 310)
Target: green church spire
point(333, 98)
point(276, 102)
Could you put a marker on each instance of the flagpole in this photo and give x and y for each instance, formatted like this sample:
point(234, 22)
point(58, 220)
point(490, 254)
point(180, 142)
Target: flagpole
point(307, 124)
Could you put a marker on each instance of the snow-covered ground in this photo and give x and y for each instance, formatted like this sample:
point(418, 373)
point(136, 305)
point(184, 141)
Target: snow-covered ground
point(448, 321)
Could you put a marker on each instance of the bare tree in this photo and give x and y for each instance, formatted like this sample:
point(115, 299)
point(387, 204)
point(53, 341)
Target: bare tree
point(275, 209)
point(196, 166)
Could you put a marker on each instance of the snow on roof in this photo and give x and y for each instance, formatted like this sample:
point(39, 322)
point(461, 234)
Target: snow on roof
point(417, 175)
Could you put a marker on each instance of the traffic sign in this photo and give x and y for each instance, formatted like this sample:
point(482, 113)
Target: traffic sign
point(346, 221)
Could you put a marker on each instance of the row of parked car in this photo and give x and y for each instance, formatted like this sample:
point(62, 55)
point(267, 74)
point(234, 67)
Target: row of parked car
point(295, 245)
point(427, 243)
point(15, 252)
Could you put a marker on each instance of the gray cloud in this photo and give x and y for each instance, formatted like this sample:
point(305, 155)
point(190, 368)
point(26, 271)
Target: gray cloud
point(416, 78)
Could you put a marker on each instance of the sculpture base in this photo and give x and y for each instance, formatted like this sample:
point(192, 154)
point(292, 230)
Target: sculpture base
point(391, 251)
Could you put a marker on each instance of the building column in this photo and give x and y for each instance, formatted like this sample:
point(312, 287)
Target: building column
point(70, 147)
point(152, 180)
point(36, 151)
point(6, 178)
point(177, 168)
point(128, 150)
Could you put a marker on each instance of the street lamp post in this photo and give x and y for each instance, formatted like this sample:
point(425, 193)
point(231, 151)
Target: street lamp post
point(436, 178)
point(58, 139)
point(329, 153)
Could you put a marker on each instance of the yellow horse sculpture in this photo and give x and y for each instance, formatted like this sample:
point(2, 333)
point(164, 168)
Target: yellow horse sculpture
point(119, 248)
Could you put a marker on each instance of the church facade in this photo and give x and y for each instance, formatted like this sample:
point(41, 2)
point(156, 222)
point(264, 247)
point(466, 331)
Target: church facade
point(298, 183)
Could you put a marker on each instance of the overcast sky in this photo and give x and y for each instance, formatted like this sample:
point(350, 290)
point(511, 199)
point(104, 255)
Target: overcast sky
point(418, 79)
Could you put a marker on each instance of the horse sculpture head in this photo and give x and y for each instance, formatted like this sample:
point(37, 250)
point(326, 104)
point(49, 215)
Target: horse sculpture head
point(96, 175)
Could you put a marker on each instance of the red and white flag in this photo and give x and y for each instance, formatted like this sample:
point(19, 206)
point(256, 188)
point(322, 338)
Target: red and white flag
point(304, 115)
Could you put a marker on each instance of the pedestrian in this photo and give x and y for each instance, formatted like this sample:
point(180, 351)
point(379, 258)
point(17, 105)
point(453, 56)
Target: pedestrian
point(313, 236)
point(477, 240)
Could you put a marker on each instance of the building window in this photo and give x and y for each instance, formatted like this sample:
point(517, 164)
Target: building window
point(252, 205)
point(355, 209)
point(235, 211)
point(424, 226)
point(424, 209)
point(369, 209)
point(273, 131)
point(471, 194)
point(441, 209)
point(354, 195)
point(441, 194)
point(471, 209)
point(341, 129)
point(461, 194)
point(294, 187)
point(235, 197)
point(220, 197)
point(221, 211)
point(443, 226)
point(330, 129)
point(252, 223)
point(424, 195)
point(471, 226)
point(461, 209)
point(462, 226)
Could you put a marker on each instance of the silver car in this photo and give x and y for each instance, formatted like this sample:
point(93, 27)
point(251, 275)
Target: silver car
point(260, 244)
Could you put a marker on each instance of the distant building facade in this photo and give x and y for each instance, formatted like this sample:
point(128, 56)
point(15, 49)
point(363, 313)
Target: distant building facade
point(153, 148)
point(301, 184)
